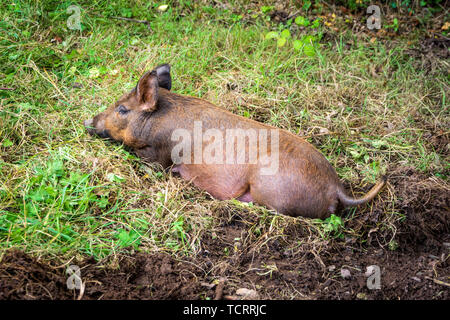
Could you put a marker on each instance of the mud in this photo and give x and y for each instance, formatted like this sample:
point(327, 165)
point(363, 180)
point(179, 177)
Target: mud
point(430, 54)
point(141, 276)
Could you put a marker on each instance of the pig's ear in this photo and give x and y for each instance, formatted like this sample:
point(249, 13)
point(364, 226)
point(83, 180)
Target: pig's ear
point(147, 91)
point(164, 78)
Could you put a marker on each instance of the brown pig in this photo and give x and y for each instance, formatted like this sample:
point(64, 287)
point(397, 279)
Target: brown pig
point(229, 156)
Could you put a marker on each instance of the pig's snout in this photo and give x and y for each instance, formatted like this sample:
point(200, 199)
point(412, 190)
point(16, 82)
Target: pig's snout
point(89, 124)
point(96, 127)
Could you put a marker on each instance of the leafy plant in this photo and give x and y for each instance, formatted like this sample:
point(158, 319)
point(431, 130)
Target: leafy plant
point(128, 238)
point(281, 42)
point(236, 17)
point(281, 37)
point(302, 21)
point(52, 204)
point(395, 25)
point(306, 5)
point(7, 143)
point(332, 227)
point(315, 24)
point(359, 153)
point(286, 34)
point(272, 35)
point(393, 245)
point(177, 239)
point(267, 9)
point(306, 44)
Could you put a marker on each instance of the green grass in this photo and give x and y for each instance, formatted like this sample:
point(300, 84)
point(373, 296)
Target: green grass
point(63, 192)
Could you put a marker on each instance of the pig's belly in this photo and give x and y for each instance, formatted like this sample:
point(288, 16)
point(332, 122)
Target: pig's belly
point(223, 182)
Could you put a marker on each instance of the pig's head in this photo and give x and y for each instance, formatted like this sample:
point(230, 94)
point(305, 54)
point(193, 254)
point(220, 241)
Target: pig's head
point(117, 121)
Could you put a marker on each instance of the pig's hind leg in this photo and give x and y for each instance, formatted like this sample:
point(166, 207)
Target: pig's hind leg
point(246, 197)
point(222, 188)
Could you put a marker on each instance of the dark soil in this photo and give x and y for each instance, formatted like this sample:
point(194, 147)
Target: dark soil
point(276, 268)
point(141, 276)
point(430, 54)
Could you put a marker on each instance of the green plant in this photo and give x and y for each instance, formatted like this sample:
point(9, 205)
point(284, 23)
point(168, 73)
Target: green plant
point(306, 5)
point(307, 44)
point(52, 204)
point(394, 25)
point(302, 21)
point(331, 227)
point(236, 17)
point(128, 238)
point(267, 9)
point(393, 245)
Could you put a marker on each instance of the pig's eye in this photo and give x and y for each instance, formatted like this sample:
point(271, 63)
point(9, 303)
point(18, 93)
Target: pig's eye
point(122, 109)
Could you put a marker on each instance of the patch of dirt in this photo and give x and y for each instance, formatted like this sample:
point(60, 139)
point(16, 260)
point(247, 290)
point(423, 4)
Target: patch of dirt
point(280, 16)
point(403, 276)
point(280, 269)
point(142, 276)
point(438, 45)
point(431, 53)
point(22, 277)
